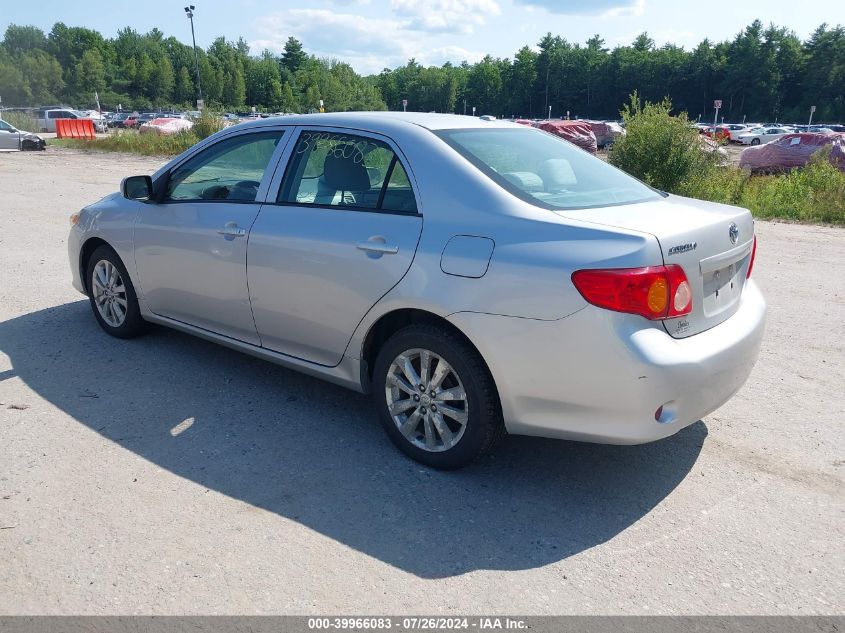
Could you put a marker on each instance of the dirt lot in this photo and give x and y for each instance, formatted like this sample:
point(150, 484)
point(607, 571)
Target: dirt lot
point(168, 475)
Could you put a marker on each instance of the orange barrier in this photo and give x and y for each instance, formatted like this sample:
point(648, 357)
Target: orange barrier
point(75, 128)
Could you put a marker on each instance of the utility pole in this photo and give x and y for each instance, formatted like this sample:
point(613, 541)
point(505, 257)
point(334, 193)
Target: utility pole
point(812, 110)
point(190, 11)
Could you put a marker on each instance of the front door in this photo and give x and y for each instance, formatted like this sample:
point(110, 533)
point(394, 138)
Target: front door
point(190, 247)
point(342, 232)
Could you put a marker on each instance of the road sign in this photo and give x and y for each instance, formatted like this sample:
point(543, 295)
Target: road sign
point(717, 103)
point(200, 104)
point(812, 108)
point(404, 105)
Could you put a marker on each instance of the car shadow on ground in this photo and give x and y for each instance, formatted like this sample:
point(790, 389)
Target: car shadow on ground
point(315, 453)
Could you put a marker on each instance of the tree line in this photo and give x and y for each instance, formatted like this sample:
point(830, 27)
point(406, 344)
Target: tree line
point(146, 71)
point(763, 73)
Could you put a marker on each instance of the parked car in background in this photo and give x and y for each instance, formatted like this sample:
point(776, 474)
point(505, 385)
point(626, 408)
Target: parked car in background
point(145, 117)
point(759, 135)
point(606, 132)
point(131, 121)
point(13, 138)
point(719, 133)
point(545, 293)
point(793, 150)
point(46, 120)
point(734, 130)
point(165, 126)
point(578, 133)
point(117, 121)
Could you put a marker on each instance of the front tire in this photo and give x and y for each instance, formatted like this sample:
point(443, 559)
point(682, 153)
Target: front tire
point(436, 398)
point(112, 295)
point(755, 141)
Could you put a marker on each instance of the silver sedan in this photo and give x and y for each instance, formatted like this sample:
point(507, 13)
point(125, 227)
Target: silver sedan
point(476, 277)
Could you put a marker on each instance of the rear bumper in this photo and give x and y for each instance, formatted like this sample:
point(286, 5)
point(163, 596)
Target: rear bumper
point(599, 376)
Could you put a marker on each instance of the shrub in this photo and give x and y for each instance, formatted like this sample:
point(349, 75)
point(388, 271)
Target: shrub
point(660, 149)
point(20, 120)
point(207, 124)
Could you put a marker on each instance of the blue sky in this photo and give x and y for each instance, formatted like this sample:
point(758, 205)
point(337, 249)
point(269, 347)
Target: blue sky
point(372, 34)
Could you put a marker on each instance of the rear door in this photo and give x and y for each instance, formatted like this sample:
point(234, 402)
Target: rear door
point(339, 234)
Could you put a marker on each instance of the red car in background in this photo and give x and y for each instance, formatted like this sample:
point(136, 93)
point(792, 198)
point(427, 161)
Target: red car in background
point(721, 133)
point(131, 121)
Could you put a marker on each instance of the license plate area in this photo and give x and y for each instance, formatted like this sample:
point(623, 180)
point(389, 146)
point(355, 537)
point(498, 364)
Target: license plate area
point(722, 288)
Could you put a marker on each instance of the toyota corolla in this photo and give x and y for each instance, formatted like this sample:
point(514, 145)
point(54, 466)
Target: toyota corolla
point(476, 277)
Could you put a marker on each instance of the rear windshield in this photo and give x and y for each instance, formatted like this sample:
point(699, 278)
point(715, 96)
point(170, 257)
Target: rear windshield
point(546, 170)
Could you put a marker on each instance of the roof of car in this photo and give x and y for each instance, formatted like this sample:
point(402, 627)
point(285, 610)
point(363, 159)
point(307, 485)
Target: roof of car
point(369, 120)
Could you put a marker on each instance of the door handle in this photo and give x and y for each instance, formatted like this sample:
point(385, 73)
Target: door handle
point(377, 247)
point(232, 230)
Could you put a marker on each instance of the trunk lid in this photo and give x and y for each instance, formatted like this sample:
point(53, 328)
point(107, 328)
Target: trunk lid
point(711, 242)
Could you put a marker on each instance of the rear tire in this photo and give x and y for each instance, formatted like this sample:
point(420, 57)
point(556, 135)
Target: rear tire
point(436, 398)
point(112, 295)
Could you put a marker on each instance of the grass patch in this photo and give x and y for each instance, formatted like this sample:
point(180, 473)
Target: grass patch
point(815, 193)
point(134, 143)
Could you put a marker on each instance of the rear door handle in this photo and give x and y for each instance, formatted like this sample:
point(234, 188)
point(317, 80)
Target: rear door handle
point(377, 247)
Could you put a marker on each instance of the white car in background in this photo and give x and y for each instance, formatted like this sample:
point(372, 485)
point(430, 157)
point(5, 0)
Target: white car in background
point(758, 135)
point(735, 129)
point(47, 119)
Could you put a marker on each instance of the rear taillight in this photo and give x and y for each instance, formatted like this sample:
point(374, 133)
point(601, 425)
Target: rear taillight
point(655, 292)
point(751, 261)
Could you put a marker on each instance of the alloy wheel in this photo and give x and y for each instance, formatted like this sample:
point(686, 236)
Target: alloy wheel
point(109, 293)
point(426, 400)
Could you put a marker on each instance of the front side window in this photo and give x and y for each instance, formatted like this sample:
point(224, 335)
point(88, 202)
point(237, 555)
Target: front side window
point(546, 170)
point(230, 170)
point(346, 171)
point(5, 127)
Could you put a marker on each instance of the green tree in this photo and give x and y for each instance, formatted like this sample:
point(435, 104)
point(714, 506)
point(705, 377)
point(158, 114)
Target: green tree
point(24, 39)
point(294, 57)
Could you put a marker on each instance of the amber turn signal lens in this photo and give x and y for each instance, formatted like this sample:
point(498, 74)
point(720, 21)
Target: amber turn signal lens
point(658, 295)
point(74, 218)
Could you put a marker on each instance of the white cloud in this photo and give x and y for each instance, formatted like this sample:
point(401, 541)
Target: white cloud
point(367, 44)
point(445, 16)
point(673, 36)
point(602, 8)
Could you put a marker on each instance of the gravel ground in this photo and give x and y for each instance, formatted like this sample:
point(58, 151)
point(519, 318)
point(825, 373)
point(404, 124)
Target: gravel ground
point(167, 475)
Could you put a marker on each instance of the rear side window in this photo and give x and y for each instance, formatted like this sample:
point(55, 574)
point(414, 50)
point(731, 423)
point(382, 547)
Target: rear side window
point(230, 170)
point(546, 170)
point(346, 171)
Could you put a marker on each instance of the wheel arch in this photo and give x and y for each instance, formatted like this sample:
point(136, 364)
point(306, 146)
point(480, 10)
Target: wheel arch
point(390, 323)
point(88, 247)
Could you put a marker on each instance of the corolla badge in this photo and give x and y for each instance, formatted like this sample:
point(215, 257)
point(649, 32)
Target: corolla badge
point(733, 232)
point(682, 248)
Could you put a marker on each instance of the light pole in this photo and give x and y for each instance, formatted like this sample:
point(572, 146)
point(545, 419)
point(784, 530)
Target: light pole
point(190, 11)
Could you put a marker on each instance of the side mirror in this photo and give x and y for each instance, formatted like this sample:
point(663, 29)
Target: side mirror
point(137, 187)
